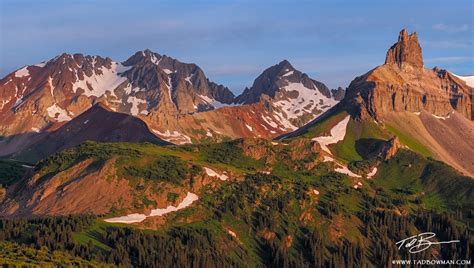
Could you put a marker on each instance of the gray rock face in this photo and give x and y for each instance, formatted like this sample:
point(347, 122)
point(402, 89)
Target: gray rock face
point(187, 83)
point(338, 94)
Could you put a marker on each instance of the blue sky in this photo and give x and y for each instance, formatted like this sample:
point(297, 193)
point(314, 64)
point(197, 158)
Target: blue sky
point(234, 41)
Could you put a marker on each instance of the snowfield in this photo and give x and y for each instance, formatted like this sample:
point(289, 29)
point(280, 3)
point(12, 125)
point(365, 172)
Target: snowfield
point(308, 99)
point(468, 79)
point(131, 218)
point(337, 134)
point(136, 217)
point(109, 80)
point(22, 72)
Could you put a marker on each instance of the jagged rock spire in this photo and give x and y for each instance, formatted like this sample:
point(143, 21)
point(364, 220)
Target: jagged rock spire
point(406, 51)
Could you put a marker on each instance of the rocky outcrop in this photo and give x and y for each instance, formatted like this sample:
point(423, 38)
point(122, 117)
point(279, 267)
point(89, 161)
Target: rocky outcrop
point(402, 84)
point(390, 148)
point(338, 94)
point(257, 148)
point(406, 51)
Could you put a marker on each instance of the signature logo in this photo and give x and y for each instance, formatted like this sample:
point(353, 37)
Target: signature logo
point(421, 242)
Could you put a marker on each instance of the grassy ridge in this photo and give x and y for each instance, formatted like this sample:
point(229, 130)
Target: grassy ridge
point(436, 184)
point(277, 218)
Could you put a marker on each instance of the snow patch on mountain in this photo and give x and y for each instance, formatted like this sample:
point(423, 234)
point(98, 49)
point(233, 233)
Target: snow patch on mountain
point(41, 64)
point(212, 173)
point(136, 217)
point(98, 84)
point(22, 72)
point(188, 79)
point(167, 71)
point(213, 102)
point(173, 136)
point(344, 170)
point(155, 60)
point(269, 121)
point(134, 110)
point(187, 201)
point(443, 117)
point(468, 79)
point(337, 134)
point(340, 167)
point(372, 173)
point(308, 99)
point(288, 73)
point(58, 113)
point(50, 84)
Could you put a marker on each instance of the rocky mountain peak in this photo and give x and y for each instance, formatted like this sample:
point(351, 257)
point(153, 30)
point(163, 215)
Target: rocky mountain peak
point(294, 96)
point(406, 51)
point(285, 64)
point(403, 85)
point(275, 79)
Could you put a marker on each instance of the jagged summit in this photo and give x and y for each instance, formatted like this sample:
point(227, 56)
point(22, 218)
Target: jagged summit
point(406, 51)
point(294, 95)
point(276, 77)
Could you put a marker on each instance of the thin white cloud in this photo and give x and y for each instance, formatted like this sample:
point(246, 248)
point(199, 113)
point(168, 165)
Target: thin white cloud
point(446, 44)
point(451, 28)
point(449, 60)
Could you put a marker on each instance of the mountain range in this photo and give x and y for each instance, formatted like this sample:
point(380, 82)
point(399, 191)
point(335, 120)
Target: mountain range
point(288, 174)
point(176, 100)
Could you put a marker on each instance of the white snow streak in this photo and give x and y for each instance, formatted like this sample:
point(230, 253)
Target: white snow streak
point(212, 173)
point(341, 168)
point(372, 173)
point(135, 217)
point(213, 102)
point(288, 74)
point(337, 134)
point(173, 136)
point(442, 117)
point(188, 79)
